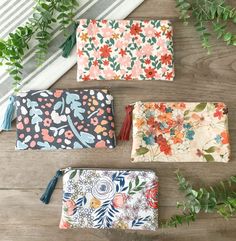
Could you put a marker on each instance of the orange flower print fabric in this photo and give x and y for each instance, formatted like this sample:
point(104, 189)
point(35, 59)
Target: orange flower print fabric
point(64, 119)
point(180, 132)
point(120, 199)
point(124, 49)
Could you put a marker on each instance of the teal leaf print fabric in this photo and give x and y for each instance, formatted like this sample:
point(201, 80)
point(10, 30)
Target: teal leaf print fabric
point(65, 119)
point(124, 49)
point(121, 199)
point(75, 104)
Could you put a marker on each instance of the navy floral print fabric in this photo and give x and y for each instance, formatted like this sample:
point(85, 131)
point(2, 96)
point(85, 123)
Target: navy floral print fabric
point(65, 119)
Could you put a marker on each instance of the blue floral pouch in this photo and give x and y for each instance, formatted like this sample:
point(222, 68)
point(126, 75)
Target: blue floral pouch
point(65, 119)
point(107, 198)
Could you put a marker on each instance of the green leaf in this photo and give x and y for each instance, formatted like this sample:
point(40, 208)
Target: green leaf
point(142, 184)
point(228, 36)
point(136, 181)
point(186, 112)
point(131, 193)
point(234, 19)
point(179, 219)
point(159, 65)
point(14, 71)
point(200, 107)
point(16, 77)
point(142, 150)
point(194, 193)
point(209, 157)
point(2, 45)
point(210, 149)
point(130, 186)
point(18, 65)
point(233, 179)
point(112, 41)
point(72, 175)
point(137, 189)
point(61, 15)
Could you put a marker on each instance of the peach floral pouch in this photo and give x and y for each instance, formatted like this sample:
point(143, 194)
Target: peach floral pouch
point(180, 132)
point(125, 50)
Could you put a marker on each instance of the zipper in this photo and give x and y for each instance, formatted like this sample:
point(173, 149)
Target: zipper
point(46, 196)
point(65, 170)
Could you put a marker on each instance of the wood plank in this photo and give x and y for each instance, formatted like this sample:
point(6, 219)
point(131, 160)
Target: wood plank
point(199, 77)
point(51, 233)
point(160, 9)
point(25, 204)
point(25, 171)
point(29, 218)
point(24, 217)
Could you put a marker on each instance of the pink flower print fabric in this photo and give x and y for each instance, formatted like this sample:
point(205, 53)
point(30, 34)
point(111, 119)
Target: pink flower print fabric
point(65, 119)
point(120, 199)
point(180, 132)
point(124, 49)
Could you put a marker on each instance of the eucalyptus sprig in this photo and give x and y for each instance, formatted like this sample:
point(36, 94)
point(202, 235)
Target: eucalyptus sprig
point(209, 14)
point(220, 199)
point(38, 27)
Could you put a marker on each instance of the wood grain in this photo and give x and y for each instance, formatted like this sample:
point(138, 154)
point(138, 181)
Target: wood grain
point(199, 77)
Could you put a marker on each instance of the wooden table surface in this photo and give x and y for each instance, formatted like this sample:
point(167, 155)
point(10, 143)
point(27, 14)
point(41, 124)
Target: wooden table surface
point(199, 77)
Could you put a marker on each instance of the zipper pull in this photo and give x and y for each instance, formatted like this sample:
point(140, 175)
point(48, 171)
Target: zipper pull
point(45, 198)
point(65, 170)
point(127, 123)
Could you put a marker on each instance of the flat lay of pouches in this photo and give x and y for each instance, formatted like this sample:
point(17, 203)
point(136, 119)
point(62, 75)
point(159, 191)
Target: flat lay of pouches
point(84, 118)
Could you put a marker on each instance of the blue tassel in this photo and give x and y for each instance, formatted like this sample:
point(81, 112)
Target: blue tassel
point(45, 198)
point(8, 116)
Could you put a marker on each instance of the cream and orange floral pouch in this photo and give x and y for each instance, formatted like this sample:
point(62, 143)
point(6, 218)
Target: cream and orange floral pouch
point(180, 132)
point(124, 50)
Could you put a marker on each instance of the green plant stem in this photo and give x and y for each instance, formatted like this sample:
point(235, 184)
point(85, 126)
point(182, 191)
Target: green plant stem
point(220, 199)
point(213, 13)
point(46, 12)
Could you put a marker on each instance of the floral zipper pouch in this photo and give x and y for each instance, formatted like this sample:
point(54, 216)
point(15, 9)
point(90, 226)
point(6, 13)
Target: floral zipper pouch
point(105, 198)
point(124, 50)
point(65, 119)
point(178, 132)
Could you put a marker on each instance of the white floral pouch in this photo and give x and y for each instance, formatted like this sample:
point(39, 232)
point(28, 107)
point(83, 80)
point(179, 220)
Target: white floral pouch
point(105, 198)
point(178, 131)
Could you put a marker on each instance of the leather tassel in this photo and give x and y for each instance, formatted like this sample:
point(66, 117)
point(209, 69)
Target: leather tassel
point(45, 198)
point(70, 42)
point(126, 126)
point(8, 116)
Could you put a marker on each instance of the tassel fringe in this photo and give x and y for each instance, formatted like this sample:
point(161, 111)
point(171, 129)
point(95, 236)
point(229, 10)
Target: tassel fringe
point(8, 116)
point(45, 198)
point(126, 126)
point(70, 42)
